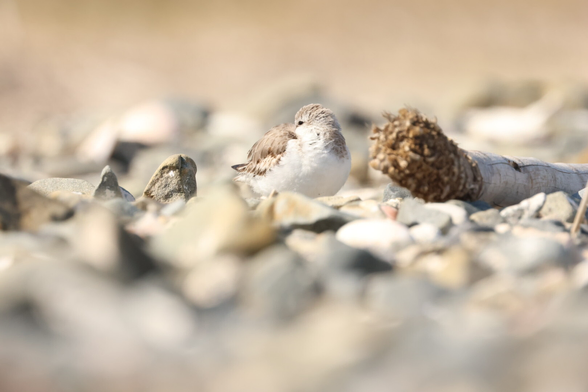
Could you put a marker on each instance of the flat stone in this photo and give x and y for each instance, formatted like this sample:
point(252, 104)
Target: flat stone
point(337, 201)
point(279, 284)
point(488, 218)
point(424, 233)
point(457, 213)
point(336, 255)
point(382, 237)
point(411, 213)
point(558, 206)
point(174, 179)
point(108, 187)
point(214, 282)
point(218, 224)
point(396, 192)
point(290, 211)
point(452, 268)
point(400, 297)
point(342, 269)
point(369, 209)
point(547, 225)
point(528, 208)
point(47, 186)
point(521, 255)
point(21, 208)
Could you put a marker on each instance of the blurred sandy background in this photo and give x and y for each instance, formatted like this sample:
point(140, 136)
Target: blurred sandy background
point(70, 56)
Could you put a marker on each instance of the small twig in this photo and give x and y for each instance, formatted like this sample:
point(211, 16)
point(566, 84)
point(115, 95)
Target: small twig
point(580, 214)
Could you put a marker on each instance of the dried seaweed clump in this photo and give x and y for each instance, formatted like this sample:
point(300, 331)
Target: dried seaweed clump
point(413, 151)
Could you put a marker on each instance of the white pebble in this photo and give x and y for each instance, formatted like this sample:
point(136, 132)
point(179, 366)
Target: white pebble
point(382, 237)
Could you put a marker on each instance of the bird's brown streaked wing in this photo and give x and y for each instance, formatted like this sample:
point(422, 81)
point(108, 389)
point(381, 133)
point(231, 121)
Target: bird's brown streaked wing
point(267, 151)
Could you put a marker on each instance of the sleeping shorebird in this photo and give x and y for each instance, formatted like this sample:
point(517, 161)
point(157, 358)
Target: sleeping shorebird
point(309, 156)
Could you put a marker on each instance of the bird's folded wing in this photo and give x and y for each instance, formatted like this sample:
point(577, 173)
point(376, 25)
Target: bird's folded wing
point(267, 151)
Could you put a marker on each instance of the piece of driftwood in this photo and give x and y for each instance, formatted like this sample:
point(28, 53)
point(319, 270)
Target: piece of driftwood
point(415, 153)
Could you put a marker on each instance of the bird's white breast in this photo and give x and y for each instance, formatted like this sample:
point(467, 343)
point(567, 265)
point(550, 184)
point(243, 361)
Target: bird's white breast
point(310, 166)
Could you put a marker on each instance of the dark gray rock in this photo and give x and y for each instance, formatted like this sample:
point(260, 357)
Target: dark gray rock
point(108, 187)
point(559, 206)
point(174, 179)
point(411, 212)
point(396, 192)
point(488, 218)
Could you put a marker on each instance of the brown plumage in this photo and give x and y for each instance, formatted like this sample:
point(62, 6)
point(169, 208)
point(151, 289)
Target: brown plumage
point(268, 150)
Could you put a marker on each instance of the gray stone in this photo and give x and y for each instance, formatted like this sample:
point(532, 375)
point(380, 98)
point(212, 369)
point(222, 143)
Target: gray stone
point(21, 208)
point(411, 212)
point(457, 213)
point(174, 179)
point(100, 241)
point(278, 283)
point(336, 256)
point(290, 211)
point(396, 192)
point(577, 197)
point(108, 187)
point(173, 208)
point(122, 209)
point(221, 223)
point(480, 205)
point(342, 269)
point(521, 255)
point(383, 237)
point(128, 196)
point(558, 206)
point(48, 186)
point(528, 208)
point(489, 218)
point(214, 283)
point(424, 233)
point(400, 297)
point(469, 207)
point(548, 225)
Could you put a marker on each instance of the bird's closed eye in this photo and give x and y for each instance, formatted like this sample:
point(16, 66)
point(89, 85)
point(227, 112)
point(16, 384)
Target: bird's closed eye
point(300, 122)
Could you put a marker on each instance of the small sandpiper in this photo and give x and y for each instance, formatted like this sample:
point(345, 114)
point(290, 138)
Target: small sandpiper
point(308, 157)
